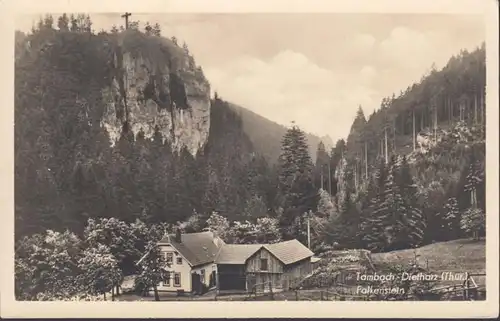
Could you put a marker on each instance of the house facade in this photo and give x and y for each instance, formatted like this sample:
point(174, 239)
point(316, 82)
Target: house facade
point(198, 262)
point(190, 262)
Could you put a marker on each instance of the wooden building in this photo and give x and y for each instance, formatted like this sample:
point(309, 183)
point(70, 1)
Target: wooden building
point(262, 267)
point(198, 262)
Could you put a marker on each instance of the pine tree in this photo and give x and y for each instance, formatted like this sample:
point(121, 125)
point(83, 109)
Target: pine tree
point(475, 177)
point(321, 168)
point(450, 218)
point(348, 224)
point(374, 226)
point(413, 217)
point(63, 22)
point(156, 30)
point(296, 188)
point(148, 30)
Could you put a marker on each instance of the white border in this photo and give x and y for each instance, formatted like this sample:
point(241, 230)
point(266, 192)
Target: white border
point(11, 308)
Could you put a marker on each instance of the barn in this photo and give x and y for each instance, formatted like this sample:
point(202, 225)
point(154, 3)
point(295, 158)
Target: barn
point(262, 267)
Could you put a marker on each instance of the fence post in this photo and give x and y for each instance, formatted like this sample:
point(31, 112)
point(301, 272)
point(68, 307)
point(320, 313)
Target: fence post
point(466, 291)
point(296, 295)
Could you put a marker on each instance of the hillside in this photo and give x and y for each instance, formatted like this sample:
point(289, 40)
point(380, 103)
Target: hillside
point(458, 256)
point(120, 124)
point(413, 172)
point(266, 135)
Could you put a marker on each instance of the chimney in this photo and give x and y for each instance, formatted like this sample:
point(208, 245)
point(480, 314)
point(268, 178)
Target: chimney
point(178, 238)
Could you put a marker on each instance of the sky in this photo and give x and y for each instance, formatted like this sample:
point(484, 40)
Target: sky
point(315, 69)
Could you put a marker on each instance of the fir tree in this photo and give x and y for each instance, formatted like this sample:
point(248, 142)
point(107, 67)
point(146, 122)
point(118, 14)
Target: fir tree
point(415, 221)
point(321, 168)
point(450, 218)
point(296, 188)
point(373, 227)
point(348, 223)
point(148, 30)
point(156, 30)
point(63, 22)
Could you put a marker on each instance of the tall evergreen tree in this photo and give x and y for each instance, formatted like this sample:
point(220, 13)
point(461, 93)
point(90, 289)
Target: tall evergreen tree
point(414, 220)
point(322, 167)
point(297, 192)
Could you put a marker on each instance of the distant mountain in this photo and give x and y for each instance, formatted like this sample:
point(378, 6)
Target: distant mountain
point(266, 135)
point(328, 141)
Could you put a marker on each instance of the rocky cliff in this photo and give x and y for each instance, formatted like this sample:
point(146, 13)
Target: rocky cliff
point(156, 84)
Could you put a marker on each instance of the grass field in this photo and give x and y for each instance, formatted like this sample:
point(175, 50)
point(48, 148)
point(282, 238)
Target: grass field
point(454, 256)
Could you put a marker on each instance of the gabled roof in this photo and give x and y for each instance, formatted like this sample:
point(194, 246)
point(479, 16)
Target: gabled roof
point(287, 252)
point(196, 248)
point(236, 253)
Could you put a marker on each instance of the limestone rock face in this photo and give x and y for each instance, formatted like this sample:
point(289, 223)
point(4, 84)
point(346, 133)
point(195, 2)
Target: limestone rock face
point(149, 94)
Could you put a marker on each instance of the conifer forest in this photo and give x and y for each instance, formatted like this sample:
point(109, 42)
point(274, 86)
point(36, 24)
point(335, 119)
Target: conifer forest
point(97, 183)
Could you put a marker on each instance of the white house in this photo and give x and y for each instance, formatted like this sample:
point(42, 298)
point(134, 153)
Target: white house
point(191, 262)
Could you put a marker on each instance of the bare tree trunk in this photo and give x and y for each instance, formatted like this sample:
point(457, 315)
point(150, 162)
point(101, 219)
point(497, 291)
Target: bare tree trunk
point(366, 161)
point(435, 124)
point(475, 108)
point(321, 176)
point(452, 111)
point(482, 107)
point(329, 178)
point(386, 152)
point(157, 297)
point(421, 120)
point(356, 176)
point(414, 136)
point(394, 135)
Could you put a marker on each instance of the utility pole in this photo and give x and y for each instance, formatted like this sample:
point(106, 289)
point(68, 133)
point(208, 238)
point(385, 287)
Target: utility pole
point(126, 15)
point(309, 230)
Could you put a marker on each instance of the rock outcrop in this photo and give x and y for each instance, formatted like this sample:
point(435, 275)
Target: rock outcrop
point(168, 93)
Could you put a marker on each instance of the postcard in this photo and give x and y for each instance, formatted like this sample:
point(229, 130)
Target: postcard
point(250, 159)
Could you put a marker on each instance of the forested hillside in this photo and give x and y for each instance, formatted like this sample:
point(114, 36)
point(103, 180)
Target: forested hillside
point(413, 171)
point(266, 135)
point(67, 169)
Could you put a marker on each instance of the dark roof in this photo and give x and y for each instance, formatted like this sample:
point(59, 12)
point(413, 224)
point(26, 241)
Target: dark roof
point(197, 248)
point(287, 252)
point(236, 253)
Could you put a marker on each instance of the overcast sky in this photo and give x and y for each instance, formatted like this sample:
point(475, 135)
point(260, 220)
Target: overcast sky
point(314, 68)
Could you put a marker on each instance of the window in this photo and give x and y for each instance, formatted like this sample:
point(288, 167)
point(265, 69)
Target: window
point(263, 264)
point(179, 260)
point(169, 257)
point(166, 279)
point(177, 279)
point(202, 276)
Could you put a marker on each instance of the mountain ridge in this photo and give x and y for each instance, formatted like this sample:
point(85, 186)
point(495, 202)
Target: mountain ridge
point(266, 134)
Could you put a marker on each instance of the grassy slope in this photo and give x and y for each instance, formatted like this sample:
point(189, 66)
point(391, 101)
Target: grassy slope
point(455, 256)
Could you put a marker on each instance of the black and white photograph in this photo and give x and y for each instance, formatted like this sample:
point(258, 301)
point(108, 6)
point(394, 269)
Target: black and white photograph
point(252, 156)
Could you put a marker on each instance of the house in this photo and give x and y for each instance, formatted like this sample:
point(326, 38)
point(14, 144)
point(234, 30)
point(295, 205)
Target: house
point(197, 262)
point(191, 262)
point(262, 267)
